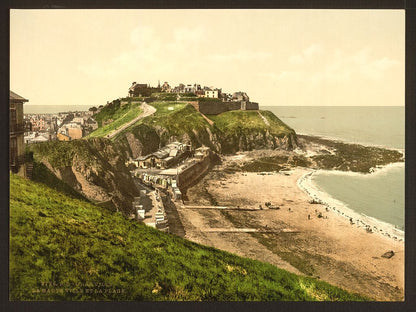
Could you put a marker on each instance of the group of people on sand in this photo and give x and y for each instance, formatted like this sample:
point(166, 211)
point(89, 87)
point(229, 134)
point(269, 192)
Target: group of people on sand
point(358, 222)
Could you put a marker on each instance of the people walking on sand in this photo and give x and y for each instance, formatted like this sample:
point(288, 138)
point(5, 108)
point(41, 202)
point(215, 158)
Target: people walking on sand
point(309, 216)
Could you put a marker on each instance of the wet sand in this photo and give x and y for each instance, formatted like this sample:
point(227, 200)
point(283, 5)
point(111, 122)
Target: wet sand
point(301, 237)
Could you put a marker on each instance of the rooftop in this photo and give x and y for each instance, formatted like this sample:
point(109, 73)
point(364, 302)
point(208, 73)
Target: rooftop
point(14, 97)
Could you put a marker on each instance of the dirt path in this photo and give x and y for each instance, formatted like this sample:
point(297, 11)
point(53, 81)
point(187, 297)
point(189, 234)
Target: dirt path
point(147, 111)
point(266, 122)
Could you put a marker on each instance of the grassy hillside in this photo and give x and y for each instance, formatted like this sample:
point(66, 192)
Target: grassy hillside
point(172, 119)
point(117, 114)
point(248, 130)
point(177, 120)
point(235, 122)
point(68, 249)
point(176, 117)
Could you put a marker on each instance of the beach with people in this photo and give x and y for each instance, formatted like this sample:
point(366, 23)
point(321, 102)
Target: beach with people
point(290, 223)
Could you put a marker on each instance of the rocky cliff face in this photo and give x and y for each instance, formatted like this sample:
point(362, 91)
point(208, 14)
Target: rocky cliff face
point(250, 141)
point(147, 137)
point(94, 168)
point(136, 144)
point(143, 140)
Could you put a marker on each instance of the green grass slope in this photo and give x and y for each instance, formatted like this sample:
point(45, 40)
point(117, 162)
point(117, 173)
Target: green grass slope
point(248, 130)
point(177, 118)
point(172, 119)
point(119, 115)
point(235, 122)
point(63, 248)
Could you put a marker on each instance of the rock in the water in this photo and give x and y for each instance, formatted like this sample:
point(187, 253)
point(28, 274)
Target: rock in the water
point(388, 254)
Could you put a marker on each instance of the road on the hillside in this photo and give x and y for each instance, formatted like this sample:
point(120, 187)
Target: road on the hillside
point(147, 111)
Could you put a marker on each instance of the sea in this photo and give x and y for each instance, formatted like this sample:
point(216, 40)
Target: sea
point(54, 109)
point(379, 195)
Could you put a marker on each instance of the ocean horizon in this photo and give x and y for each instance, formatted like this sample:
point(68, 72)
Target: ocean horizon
point(53, 109)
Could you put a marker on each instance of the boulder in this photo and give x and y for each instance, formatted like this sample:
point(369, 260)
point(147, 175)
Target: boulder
point(388, 254)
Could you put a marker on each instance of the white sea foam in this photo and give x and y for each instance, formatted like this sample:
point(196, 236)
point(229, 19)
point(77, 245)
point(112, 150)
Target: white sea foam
point(306, 184)
point(380, 170)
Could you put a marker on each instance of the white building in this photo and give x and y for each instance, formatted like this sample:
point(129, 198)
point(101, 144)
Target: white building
point(211, 93)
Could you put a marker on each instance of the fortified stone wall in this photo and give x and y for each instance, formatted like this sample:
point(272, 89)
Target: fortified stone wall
point(217, 107)
point(252, 106)
point(213, 108)
point(233, 105)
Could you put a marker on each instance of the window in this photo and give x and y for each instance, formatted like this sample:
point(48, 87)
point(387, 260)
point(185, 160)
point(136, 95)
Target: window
point(13, 151)
point(12, 116)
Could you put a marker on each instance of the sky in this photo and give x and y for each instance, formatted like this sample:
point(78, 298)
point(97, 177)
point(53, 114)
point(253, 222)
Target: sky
point(278, 57)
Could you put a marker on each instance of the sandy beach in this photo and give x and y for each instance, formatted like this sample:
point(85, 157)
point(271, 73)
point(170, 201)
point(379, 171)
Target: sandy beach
point(297, 235)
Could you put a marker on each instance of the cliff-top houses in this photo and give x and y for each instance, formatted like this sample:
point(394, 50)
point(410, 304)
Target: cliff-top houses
point(208, 100)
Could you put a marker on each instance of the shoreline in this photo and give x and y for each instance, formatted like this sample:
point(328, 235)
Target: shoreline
point(299, 236)
point(360, 220)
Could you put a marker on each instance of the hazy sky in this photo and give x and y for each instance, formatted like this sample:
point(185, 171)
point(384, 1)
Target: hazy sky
point(279, 57)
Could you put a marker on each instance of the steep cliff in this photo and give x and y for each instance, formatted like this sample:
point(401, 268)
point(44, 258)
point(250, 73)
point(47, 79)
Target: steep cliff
point(172, 121)
point(248, 130)
point(93, 167)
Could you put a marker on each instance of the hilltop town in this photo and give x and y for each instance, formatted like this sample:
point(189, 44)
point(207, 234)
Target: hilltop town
point(66, 126)
point(207, 100)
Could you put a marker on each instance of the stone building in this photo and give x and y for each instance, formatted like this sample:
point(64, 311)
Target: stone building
point(138, 89)
point(240, 96)
point(18, 161)
point(72, 130)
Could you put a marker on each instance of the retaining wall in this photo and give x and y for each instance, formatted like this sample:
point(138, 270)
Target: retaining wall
point(187, 177)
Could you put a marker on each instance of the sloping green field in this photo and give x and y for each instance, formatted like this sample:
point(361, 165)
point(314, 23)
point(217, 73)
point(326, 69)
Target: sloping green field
point(63, 248)
point(118, 115)
point(249, 121)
